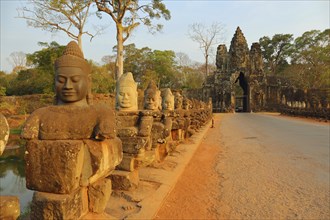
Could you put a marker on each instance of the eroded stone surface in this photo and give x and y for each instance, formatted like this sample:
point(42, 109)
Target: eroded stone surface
point(124, 180)
point(167, 100)
point(4, 133)
point(57, 206)
point(126, 95)
point(54, 166)
point(99, 194)
point(9, 208)
point(98, 121)
point(152, 98)
point(72, 147)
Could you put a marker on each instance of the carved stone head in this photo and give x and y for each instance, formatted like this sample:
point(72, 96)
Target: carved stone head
point(167, 100)
point(186, 103)
point(178, 100)
point(126, 93)
point(72, 77)
point(152, 98)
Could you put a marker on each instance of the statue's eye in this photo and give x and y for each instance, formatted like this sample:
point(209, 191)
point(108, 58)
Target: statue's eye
point(75, 78)
point(61, 79)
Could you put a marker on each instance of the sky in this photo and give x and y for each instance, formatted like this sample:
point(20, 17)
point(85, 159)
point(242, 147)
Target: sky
point(255, 18)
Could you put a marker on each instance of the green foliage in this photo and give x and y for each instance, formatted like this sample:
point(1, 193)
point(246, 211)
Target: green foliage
point(40, 78)
point(310, 68)
point(309, 57)
point(102, 80)
point(44, 59)
point(127, 15)
point(192, 78)
point(147, 65)
point(2, 91)
point(275, 51)
point(31, 81)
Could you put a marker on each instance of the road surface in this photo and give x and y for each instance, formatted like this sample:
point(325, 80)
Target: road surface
point(255, 166)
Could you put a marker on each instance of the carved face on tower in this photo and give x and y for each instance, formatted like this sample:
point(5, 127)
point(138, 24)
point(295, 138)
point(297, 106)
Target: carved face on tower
point(126, 95)
point(152, 98)
point(168, 100)
point(72, 80)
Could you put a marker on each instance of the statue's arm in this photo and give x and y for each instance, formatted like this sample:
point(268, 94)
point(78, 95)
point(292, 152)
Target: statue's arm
point(31, 127)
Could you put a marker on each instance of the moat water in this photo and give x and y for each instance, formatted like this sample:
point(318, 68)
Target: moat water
point(12, 175)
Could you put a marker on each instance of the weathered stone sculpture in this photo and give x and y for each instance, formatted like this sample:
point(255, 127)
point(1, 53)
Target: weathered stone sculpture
point(222, 58)
point(134, 128)
point(9, 205)
point(152, 98)
point(161, 125)
point(179, 121)
point(178, 100)
point(238, 52)
point(72, 147)
point(167, 100)
point(4, 133)
point(126, 93)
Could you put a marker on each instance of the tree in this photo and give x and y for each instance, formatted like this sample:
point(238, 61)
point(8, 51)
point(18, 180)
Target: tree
point(183, 59)
point(206, 37)
point(44, 59)
point(164, 65)
point(40, 77)
point(18, 61)
point(69, 16)
point(102, 80)
point(30, 81)
point(310, 68)
point(127, 15)
point(275, 51)
point(138, 61)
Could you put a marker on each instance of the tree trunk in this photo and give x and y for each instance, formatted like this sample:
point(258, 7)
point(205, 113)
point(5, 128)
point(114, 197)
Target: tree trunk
point(206, 65)
point(80, 42)
point(120, 52)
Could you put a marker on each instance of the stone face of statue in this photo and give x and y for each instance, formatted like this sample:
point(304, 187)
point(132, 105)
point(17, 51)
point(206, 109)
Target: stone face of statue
point(126, 98)
point(168, 103)
point(178, 99)
point(71, 86)
point(126, 93)
point(151, 101)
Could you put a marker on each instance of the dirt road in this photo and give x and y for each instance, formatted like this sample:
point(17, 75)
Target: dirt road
point(254, 166)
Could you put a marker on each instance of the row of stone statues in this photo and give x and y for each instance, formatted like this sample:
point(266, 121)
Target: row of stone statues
point(78, 152)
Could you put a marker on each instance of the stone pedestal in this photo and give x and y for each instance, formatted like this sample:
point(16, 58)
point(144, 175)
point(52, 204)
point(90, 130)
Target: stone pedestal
point(59, 206)
point(125, 180)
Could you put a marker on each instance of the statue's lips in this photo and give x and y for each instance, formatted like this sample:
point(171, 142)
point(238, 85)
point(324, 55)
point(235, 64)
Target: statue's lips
point(68, 93)
point(125, 103)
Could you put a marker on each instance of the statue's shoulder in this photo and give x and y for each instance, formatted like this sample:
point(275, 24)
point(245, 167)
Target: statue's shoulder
point(106, 121)
point(31, 126)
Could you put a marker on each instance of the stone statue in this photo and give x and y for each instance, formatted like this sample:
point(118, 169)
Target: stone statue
point(152, 98)
point(167, 100)
point(9, 205)
point(186, 103)
point(4, 133)
point(72, 147)
point(222, 57)
point(126, 93)
point(178, 100)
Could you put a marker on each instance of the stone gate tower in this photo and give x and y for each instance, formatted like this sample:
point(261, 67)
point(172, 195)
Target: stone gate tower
point(238, 66)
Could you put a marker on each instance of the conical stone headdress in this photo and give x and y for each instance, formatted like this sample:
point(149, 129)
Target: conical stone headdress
point(127, 80)
point(73, 57)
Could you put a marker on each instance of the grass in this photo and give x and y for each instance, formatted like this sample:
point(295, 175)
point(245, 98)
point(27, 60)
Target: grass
point(15, 131)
